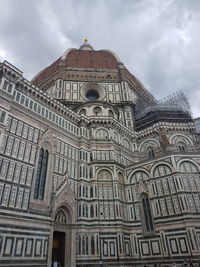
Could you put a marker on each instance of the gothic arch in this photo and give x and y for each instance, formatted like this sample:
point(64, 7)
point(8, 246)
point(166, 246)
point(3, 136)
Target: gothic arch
point(126, 143)
point(82, 111)
point(67, 210)
point(167, 169)
point(104, 174)
point(110, 113)
point(132, 173)
point(63, 218)
point(177, 138)
point(146, 213)
point(64, 201)
point(187, 160)
point(148, 143)
point(47, 143)
point(102, 133)
point(41, 174)
point(138, 175)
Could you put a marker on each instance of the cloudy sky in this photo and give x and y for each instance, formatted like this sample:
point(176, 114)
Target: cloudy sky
point(157, 40)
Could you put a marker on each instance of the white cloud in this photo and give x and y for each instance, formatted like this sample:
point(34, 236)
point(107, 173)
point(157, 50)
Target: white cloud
point(157, 40)
point(2, 53)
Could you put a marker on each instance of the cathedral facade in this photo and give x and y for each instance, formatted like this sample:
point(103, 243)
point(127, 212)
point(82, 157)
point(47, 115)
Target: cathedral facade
point(94, 171)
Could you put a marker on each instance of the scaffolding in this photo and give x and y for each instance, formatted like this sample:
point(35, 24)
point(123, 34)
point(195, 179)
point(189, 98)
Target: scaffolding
point(174, 108)
point(176, 101)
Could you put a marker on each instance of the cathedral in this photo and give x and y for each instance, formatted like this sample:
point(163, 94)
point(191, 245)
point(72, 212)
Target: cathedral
point(94, 170)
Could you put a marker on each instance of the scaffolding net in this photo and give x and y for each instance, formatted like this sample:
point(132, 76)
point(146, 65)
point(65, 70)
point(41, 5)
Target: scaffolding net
point(176, 101)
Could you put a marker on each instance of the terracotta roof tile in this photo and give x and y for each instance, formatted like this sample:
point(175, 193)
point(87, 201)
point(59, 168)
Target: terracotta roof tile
point(91, 59)
point(46, 72)
point(79, 59)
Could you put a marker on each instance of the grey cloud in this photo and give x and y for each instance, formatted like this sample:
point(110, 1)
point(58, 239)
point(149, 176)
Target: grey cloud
point(157, 40)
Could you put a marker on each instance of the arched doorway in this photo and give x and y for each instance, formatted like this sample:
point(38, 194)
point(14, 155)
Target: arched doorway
point(62, 239)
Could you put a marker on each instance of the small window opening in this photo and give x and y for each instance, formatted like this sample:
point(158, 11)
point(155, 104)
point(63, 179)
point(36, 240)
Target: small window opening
point(92, 95)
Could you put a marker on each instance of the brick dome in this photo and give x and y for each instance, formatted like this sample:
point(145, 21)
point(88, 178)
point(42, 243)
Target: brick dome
point(89, 65)
point(91, 59)
point(84, 58)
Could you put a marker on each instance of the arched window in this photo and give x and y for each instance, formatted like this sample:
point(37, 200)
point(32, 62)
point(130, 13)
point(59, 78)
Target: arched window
point(146, 215)
point(101, 134)
point(79, 245)
point(86, 211)
point(181, 147)
point(86, 191)
point(95, 193)
point(83, 245)
point(41, 174)
point(92, 245)
point(104, 175)
point(86, 245)
point(117, 210)
point(90, 172)
point(126, 143)
point(97, 245)
point(97, 111)
point(188, 167)
point(92, 211)
point(79, 210)
point(139, 176)
point(80, 190)
point(181, 139)
point(151, 153)
point(146, 145)
point(110, 113)
point(82, 111)
point(91, 191)
point(83, 211)
point(162, 170)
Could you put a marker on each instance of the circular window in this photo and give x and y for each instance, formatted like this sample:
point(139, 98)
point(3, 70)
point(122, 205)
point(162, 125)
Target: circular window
point(92, 95)
point(92, 92)
point(97, 110)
